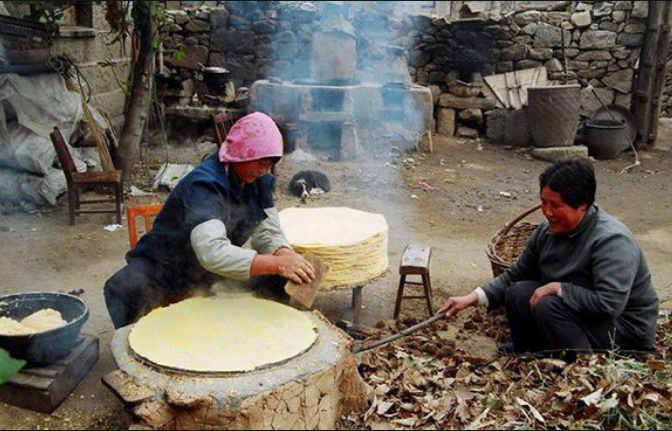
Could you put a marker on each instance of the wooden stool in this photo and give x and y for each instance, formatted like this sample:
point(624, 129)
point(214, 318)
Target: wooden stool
point(415, 261)
point(44, 389)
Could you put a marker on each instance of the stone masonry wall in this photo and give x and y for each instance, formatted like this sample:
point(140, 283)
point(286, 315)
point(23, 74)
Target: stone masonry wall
point(666, 99)
point(603, 46)
point(257, 40)
point(87, 47)
point(250, 39)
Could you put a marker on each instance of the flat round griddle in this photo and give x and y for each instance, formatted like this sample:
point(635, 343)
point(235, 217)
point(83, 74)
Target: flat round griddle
point(230, 335)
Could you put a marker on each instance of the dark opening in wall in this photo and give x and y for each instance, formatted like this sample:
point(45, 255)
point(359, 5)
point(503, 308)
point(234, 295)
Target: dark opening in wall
point(325, 139)
point(393, 97)
point(84, 14)
point(328, 99)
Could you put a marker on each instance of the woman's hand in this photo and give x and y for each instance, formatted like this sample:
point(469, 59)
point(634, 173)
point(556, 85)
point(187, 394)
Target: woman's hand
point(552, 289)
point(457, 304)
point(294, 267)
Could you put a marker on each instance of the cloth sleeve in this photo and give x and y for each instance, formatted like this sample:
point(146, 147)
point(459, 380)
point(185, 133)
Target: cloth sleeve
point(268, 236)
point(615, 262)
point(216, 253)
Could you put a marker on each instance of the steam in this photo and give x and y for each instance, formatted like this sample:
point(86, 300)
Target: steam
point(356, 98)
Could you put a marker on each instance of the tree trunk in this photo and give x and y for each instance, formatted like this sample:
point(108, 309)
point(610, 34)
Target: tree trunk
point(137, 110)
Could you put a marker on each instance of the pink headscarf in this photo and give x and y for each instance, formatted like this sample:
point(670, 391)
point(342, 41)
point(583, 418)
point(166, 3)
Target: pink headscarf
point(253, 137)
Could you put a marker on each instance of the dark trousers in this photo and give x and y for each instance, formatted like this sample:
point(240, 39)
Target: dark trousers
point(144, 285)
point(552, 326)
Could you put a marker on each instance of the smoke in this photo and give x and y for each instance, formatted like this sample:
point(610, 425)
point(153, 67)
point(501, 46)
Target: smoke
point(349, 94)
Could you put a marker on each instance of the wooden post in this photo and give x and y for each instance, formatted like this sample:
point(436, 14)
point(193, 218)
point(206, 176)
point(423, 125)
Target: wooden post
point(652, 71)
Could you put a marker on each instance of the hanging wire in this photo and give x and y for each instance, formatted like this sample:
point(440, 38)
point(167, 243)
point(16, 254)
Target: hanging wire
point(159, 115)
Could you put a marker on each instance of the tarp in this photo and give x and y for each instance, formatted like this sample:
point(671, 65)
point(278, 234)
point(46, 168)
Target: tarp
point(30, 108)
point(18, 187)
point(40, 102)
point(24, 150)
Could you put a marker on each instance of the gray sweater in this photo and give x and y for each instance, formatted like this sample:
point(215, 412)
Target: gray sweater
point(602, 270)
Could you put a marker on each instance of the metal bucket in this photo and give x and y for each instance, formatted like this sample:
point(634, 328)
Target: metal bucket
point(553, 114)
point(43, 348)
point(606, 138)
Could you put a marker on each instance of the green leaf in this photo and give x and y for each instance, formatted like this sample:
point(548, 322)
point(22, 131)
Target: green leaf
point(179, 55)
point(9, 366)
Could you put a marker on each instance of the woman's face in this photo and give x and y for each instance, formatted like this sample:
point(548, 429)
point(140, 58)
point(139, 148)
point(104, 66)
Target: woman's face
point(249, 172)
point(561, 217)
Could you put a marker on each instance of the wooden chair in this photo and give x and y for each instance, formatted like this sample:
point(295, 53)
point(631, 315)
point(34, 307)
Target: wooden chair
point(222, 123)
point(81, 180)
point(111, 138)
point(147, 212)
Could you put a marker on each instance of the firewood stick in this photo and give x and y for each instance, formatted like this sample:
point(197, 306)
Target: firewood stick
point(402, 334)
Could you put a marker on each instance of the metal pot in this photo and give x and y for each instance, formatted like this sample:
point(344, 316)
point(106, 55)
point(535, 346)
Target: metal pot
point(606, 138)
point(48, 347)
point(170, 80)
point(215, 76)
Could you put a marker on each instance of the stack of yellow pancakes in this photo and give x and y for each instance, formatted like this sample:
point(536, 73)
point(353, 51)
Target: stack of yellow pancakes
point(353, 243)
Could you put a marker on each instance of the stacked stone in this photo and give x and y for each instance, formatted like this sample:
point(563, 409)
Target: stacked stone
point(188, 31)
point(257, 40)
point(666, 99)
point(461, 110)
point(603, 43)
point(251, 39)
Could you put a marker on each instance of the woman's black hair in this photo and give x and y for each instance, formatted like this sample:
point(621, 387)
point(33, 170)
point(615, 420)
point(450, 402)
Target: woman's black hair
point(573, 179)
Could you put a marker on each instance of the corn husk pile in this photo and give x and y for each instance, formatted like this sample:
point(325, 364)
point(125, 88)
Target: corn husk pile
point(353, 243)
point(424, 382)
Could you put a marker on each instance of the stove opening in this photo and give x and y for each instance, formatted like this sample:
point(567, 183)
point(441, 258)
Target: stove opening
point(328, 100)
point(325, 139)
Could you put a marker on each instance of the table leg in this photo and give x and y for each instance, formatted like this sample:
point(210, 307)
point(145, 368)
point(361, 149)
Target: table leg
point(357, 304)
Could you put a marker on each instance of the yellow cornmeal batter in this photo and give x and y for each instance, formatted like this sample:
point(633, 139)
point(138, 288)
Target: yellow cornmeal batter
point(41, 321)
point(222, 335)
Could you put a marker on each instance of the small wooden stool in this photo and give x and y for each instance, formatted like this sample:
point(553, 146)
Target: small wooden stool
point(415, 261)
point(44, 389)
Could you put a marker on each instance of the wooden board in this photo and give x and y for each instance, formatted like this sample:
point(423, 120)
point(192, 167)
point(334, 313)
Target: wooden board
point(125, 388)
point(415, 260)
point(44, 389)
point(511, 87)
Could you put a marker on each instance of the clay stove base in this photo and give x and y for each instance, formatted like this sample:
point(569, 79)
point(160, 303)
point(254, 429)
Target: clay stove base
point(310, 392)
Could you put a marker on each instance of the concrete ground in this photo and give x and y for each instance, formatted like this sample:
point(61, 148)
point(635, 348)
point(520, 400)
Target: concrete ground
point(480, 187)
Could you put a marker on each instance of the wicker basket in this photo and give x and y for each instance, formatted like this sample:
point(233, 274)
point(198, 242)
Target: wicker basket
point(509, 243)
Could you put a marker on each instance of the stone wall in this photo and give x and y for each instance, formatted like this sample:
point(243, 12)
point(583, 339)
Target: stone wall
point(250, 39)
point(666, 99)
point(179, 5)
point(87, 47)
point(603, 46)
point(257, 40)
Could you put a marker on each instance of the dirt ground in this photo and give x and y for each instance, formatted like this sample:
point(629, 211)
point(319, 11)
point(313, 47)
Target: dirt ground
point(480, 187)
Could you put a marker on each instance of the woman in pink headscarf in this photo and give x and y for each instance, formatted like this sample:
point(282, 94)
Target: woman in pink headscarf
point(199, 234)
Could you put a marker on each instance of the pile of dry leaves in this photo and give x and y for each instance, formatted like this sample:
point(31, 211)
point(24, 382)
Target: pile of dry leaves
point(427, 382)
